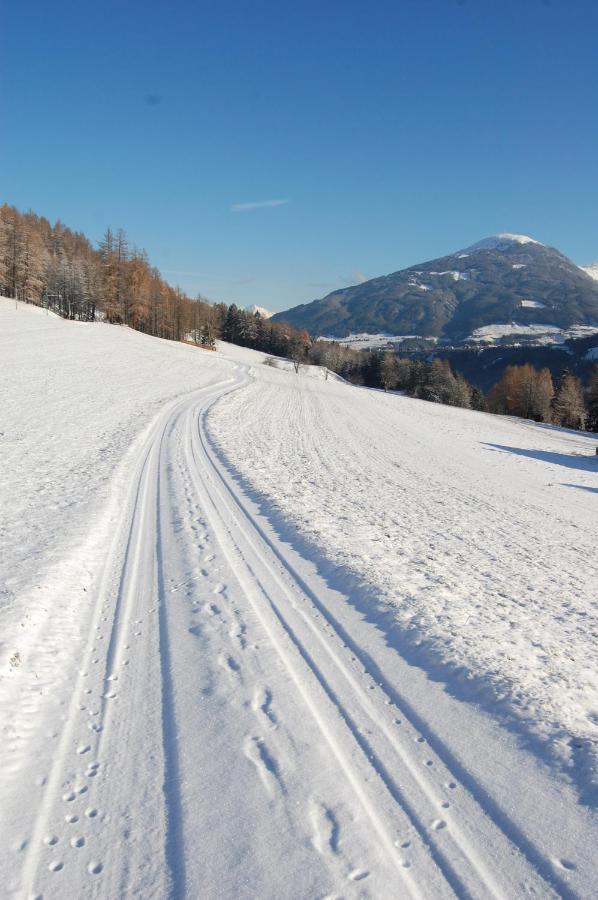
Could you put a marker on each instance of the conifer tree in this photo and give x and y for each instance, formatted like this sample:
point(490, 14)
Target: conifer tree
point(592, 421)
point(568, 405)
point(388, 371)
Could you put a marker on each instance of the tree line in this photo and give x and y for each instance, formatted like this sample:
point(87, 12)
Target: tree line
point(60, 269)
point(524, 391)
point(55, 267)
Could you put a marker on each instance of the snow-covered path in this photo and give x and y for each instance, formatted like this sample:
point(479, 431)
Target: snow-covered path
point(225, 736)
point(196, 706)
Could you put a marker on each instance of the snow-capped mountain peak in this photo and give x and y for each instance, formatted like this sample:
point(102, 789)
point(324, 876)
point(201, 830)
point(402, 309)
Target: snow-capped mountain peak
point(264, 313)
point(501, 242)
point(502, 280)
point(591, 270)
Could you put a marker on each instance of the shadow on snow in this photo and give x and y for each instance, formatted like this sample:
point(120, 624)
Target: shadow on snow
point(580, 461)
point(459, 682)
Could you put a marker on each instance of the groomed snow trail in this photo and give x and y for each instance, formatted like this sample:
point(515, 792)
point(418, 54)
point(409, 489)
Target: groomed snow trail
point(225, 736)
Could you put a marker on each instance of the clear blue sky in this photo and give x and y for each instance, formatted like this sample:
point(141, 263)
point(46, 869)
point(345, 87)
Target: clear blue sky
point(397, 132)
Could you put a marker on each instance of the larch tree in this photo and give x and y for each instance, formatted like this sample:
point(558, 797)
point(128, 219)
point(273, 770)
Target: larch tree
point(568, 406)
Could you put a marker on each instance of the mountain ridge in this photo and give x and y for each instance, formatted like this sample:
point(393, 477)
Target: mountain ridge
point(503, 280)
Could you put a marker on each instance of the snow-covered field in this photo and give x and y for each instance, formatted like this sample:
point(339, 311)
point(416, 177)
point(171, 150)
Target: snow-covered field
point(74, 396)
point(471, 536)
point(265, 634)
point(487, 334)
point(364, 341)
point(540, 334)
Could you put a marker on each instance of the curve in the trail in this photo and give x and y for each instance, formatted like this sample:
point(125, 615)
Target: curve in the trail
point(490, 811)
point(95, 729)
point(113, 795)
point(470, 862)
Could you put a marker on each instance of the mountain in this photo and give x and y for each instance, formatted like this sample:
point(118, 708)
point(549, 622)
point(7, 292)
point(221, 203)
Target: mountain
point(503, 285)
point(591, 270)
point(264, 313)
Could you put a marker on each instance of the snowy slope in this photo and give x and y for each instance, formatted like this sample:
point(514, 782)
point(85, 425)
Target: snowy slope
point(474, 533)
point(74, 397)
point(499, 242)
point(200, 691)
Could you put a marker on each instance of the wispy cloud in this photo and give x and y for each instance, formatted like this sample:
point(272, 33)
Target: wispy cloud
point(257, 204)
point(354, 277)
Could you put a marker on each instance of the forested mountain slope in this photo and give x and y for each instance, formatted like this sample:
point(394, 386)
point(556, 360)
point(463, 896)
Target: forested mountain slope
point(501, 280)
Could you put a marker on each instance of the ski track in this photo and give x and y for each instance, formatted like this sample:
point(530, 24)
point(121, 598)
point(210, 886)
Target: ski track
point(201, 619)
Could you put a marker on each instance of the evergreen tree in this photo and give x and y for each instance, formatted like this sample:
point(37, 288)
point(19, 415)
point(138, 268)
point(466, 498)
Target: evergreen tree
point(592, 421)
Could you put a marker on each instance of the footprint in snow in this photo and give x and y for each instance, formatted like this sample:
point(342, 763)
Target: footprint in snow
point(358, 874)
point(229, 664)
point(262, 703)
point(565, 864)
point(237, 633)
point(326, 828)
point(257, 752)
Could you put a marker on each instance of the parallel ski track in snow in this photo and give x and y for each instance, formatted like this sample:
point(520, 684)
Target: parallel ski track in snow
point(436, 836)
point(471, 855)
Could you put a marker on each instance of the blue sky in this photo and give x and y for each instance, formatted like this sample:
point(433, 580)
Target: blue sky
point(269, 152)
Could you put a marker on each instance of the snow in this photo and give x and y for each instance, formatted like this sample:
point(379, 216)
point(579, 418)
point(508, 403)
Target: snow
point(533, 304)
point(264, 313)
point(365, 341)
point(246, 613)
point(495, 332)
point(591, 270)
point(519, 266)
point(541, 334)
point(501, 241)
point(452, 529)
point(453, 273)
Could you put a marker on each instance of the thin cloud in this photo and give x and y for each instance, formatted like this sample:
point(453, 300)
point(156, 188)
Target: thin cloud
point(356, 277)
point(257, 204)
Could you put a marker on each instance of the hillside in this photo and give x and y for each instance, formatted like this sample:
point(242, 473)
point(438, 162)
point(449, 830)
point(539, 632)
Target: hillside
point(267, 634)
point(508, 280)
